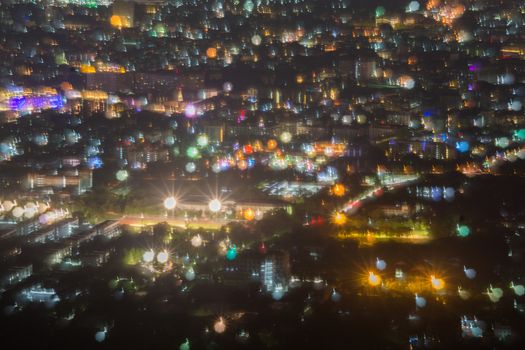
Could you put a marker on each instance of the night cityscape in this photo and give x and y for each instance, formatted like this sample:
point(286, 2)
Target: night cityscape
point(262, 174)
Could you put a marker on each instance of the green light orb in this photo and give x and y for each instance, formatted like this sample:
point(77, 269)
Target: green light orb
point(463, 230)
point(192, 152)
point(185, 345)
point(519, 134)
point(380, 11)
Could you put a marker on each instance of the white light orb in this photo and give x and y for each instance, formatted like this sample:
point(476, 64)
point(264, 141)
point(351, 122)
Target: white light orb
point(8, 205)
point(122, 175)
point(215, 205)
point(196, 241)
point(470, 273)
point(18, 212)
point(219, 326)
point(29, 212)
point(162, 257)
point(256, 40)
point(148, 256)
point(190, 274)
point(346, 119)
point(285, 137)
point(227, 86)
point(413, 6)
point(191, 167)
point(170, 203)
point(216, 168)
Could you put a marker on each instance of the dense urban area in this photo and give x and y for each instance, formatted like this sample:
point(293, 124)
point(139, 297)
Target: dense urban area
point(262, 174)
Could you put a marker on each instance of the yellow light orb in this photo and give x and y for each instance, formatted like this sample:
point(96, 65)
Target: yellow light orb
point(299, 79)
point(339, 219)
point(339, 190)
point(211, 52)
point(373, 279)
point(437, 283)
point(249, 214)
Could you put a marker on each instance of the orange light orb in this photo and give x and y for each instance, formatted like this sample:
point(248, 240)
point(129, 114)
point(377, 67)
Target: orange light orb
point(242, 164)
point(437, 283)
point(271, 144)
point(299, 78)
point(373, 279)
point(339, 190)
point(211, 52)
point(249, 214)
point(116, 21)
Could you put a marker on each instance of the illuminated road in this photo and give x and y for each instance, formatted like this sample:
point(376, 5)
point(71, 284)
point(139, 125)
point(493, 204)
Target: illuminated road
point(356, 202)
point(141, 221)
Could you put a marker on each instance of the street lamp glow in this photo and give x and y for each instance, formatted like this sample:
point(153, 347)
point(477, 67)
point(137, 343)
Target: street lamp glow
point(219, 326)
point(148, 256)
point(170, 203)
point(437, 283)
point(162, 257)
point(215, 205)
point(339, 219)
point(373, 279)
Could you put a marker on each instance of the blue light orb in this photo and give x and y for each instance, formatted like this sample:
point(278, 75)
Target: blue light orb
point(462, 146)
point(380, 264)
point(449, 194)
point(436, 194)
point(420, 302)
point(95, 162)
point(336, 296)
point(100, 336)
